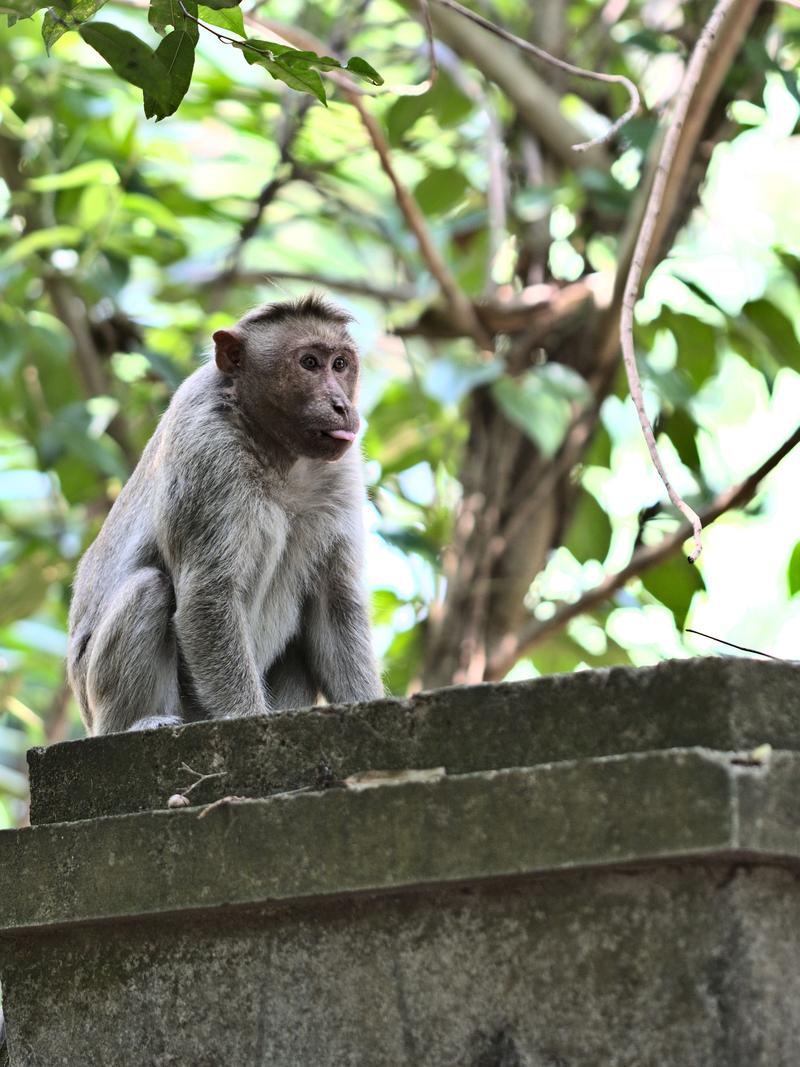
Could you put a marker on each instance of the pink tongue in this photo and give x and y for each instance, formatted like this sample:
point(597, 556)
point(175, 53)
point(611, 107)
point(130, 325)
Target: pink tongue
point(342, 435)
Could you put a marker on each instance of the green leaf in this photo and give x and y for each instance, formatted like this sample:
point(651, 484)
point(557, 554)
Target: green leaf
point(358, 66)
point(385, 603)
point(60, 19)
point(538, 402)
point(403, 660)
point(96, 172)
point(298, 68)
point(589, 532)
point(777, 330)
point(131, 59)
point(402, 115)
point(166, 15)
point(230, 19)
point(217, 5)
point(674, 583)
point(440, 190)
point(681, 429)
point(696, 341)
point(297, 75)
point(24, 589)
point(176, 52)
point(39, 241)
point(793, 573)
point(20, 9)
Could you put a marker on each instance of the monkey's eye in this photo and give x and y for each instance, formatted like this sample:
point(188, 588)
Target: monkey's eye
point(309, 362)
point(340, 363)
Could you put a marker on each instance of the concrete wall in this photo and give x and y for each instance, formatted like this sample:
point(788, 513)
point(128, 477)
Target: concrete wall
point(604, 873)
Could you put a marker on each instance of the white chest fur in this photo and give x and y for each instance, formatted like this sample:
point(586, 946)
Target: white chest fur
point(299, 527)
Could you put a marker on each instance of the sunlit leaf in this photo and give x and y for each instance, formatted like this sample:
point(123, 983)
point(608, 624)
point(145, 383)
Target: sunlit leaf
point(589, 531)
point(359, 66)
point(95, 172)
point(440, 190)
point(538, 402)
point(166, 15)
point(41, 241)
point(793, 572)
point(402, 660)
point(24, 588)
point(299, 76)
point(673, 584)
point(230, 19)
point(60, 19)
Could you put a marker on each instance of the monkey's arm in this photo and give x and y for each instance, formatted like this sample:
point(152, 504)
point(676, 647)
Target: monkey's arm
point(338, 633)
point(216, 645)
point(225, 545)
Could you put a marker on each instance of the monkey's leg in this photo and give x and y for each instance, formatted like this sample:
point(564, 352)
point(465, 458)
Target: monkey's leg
point(132, 677)
point(289, 679)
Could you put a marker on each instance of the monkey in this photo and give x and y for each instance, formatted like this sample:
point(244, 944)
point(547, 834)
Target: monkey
point(226, 579)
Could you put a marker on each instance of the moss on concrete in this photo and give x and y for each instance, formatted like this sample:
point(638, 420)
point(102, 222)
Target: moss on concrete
point(668, 967)
point(605, 876)
point(725, 704)
point(639, 808)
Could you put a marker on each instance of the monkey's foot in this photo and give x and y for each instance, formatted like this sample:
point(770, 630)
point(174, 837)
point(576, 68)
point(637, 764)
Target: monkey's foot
point(154, 721)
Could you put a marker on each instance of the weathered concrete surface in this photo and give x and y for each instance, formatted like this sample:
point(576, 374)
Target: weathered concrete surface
point(563, 897)
point(726, 704)
point(687, 967)
point(493, 824)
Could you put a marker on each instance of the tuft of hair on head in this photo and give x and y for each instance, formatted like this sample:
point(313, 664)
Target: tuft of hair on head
point(311, 306)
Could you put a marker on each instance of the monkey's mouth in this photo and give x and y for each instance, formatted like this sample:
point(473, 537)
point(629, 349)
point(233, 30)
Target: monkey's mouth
point(340, 435)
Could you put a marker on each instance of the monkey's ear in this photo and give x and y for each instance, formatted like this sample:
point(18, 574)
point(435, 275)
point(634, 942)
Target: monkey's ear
point(228, 351)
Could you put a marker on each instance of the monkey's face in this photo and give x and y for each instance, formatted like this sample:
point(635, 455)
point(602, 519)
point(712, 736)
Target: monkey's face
point(297, 381)
point(315, 383)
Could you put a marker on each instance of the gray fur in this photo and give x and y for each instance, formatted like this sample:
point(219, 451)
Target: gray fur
point(226, 579)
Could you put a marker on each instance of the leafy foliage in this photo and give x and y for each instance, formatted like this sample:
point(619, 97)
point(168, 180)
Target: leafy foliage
point(123, 245)
point(165, 74)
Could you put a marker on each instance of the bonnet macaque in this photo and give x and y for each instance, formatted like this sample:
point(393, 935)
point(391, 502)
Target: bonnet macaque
point(226, 579)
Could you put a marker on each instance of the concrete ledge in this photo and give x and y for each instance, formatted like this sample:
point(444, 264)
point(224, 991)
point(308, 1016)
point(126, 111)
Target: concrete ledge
point(605, 812)
point(607, 875)
point(725, 704)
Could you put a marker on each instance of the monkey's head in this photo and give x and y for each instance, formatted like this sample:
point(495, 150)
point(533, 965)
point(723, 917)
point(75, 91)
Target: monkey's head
point(295, 370)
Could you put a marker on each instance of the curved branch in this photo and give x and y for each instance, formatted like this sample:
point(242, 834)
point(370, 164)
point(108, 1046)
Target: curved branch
point(560, 64)
point(385, 294)
point(513, 646)
point(536, 103)
point(644, 242)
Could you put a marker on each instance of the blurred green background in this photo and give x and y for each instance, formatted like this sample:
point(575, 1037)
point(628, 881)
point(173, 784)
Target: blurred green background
point(124, 243)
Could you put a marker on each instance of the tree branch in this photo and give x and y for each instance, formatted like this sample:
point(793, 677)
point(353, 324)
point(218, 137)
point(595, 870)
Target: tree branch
point(385, 294)
point(644, 245)
point(514, 646)
point(461, 307)
point(560, 64)
point(727, 43)
point(537, 105)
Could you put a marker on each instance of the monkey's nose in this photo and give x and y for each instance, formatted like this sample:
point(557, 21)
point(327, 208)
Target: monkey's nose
point(338, 406)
